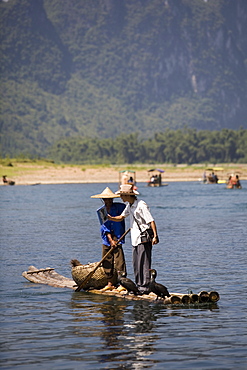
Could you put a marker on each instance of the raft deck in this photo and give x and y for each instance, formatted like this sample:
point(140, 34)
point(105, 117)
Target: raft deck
point(49, 276)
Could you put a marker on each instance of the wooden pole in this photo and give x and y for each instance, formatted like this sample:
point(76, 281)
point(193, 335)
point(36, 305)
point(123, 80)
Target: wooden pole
point(37, 271)
point(88, 277)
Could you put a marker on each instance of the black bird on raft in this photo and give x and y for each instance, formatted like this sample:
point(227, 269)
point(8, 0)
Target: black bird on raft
point(127, 283)
point(75, 263)
point(157, 288)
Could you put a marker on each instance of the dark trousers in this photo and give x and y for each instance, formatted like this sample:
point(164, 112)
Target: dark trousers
point(116, 257)
point(142, 258)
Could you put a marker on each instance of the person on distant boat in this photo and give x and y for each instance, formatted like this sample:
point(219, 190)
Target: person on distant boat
point(234, 180)
point(154, 179)
point(131, 180)
point(159, 179)
point(140, 221)
point(210, 179)
point(238, 185)
point(125, 178)
point(110, 232)
point(229, 183)
point(5, 181)
point(214, 177)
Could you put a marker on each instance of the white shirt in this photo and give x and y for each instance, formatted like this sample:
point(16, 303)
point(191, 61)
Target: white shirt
point(143, 216)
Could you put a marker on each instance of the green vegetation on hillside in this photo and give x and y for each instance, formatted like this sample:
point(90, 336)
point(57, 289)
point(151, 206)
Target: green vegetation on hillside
point(180, 146)
point(105, 68)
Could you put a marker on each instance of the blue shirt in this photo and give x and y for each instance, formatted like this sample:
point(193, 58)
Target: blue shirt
point(115, 228)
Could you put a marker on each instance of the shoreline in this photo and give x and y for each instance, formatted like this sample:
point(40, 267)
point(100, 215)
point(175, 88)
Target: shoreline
point(45, 175)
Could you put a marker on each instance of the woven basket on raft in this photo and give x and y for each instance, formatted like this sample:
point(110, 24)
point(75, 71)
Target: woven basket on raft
point(98, 280)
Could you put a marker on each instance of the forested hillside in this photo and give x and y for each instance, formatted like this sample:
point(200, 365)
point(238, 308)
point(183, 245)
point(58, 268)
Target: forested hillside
point(99, 69)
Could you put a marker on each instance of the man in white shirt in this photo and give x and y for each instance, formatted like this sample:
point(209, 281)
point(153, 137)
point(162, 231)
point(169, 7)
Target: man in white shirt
point(140, 220)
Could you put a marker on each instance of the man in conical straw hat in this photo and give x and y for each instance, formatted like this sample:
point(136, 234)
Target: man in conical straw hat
point(111, 231)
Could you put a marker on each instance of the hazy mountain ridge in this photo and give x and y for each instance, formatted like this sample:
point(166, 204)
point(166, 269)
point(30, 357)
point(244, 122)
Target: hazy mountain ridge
point(105, 67)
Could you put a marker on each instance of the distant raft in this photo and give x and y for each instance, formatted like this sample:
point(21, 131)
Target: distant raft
point(7, 182)
point(49, 276)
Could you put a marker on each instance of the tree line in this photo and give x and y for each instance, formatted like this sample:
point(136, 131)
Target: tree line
point(171, 146)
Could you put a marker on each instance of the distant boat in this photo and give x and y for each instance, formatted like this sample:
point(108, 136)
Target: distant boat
point(155, 180)
point(8, 182)
point(211, 176)
point(127, 177)
point(233, 181)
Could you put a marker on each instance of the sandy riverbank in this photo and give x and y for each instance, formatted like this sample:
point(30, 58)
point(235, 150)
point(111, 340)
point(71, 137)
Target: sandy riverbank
point(31, 174)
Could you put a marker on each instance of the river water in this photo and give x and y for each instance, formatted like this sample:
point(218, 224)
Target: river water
point(203, 242)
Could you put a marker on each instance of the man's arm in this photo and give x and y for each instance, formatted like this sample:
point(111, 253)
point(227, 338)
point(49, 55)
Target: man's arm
point(116, 218)
point(111, 240)
point(155, 237)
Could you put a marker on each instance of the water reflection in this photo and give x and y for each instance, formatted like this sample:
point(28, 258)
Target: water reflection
point(113, 319)
point(144, 317)
point(127, 329)
point(43, 326)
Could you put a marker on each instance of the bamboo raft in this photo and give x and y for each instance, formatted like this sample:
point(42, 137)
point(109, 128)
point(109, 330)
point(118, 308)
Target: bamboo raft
point(49, 276)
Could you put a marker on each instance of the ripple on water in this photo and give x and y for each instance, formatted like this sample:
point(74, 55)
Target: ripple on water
point(202, 247)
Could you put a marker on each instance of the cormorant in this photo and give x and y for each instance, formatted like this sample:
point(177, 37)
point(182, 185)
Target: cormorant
point(158, 289)
point(75, 263)
point(127, 283)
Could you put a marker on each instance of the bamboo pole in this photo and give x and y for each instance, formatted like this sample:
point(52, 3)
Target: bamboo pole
point(203, 296)
point(184, 298)
point(214, 296)
point(194, 298)
point(174, 299)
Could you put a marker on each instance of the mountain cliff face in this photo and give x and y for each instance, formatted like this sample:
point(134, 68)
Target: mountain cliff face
point(102, 67)
point(30, 46)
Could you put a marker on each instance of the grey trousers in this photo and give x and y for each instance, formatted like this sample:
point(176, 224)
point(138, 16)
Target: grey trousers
point(142, 258)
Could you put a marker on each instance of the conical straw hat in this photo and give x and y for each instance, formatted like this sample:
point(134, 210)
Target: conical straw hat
point(107, 193)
